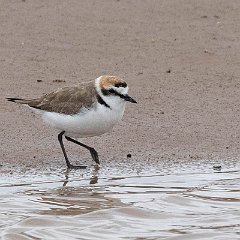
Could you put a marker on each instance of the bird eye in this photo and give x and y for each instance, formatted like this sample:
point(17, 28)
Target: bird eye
point(123, 84)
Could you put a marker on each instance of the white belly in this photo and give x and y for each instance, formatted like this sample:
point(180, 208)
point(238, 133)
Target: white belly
point(87, 123)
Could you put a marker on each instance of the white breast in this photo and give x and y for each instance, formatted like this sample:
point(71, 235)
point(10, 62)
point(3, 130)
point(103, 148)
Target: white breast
point(87, 123)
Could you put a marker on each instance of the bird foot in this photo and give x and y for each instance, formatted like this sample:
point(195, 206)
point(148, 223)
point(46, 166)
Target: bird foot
point(76, 166)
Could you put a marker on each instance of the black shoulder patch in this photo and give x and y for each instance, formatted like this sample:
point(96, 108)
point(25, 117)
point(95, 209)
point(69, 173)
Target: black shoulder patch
point(101, 101)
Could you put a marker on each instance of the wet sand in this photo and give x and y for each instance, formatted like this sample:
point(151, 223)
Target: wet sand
point(181, 60)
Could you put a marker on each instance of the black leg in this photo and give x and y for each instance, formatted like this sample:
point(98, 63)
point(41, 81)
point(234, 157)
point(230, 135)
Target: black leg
point(69, 165)
point(92, 150)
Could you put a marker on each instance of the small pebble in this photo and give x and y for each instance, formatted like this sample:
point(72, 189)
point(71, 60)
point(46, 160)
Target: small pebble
point(39, 80)
point(59, 80)
point(129, 155)
point(168, 71)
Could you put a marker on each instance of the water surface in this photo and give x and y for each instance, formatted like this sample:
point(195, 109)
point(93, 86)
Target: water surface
point(127, 200)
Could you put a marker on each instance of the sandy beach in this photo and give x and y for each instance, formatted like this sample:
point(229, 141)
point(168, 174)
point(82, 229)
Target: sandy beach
point(180, 59)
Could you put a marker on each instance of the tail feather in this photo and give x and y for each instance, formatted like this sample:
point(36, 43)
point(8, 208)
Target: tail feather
point(17, 100)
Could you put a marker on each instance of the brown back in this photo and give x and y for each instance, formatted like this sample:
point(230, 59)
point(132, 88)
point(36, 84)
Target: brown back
point(67, 100)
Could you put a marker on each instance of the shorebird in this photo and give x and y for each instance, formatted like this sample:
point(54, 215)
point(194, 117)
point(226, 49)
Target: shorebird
point(83, 110)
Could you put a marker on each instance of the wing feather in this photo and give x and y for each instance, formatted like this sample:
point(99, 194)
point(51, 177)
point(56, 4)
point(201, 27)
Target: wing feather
point(66, 100)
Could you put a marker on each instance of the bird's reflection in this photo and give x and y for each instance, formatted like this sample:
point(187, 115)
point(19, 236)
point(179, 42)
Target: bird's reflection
point(65, 182)
point(80, 199)
point(93, 179)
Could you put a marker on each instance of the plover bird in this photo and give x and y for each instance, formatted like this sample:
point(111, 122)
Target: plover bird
point(83, 110)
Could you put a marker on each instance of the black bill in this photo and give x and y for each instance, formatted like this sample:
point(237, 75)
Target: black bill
point(128, 98)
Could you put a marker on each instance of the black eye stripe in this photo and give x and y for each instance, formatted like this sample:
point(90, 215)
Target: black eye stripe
point(106, 92)
point(111, 92)
point(123, 84)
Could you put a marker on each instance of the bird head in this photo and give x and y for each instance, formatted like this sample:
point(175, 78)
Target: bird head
point(114, 86)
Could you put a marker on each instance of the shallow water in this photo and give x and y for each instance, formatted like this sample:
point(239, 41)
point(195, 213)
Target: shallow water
point(127, 200)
